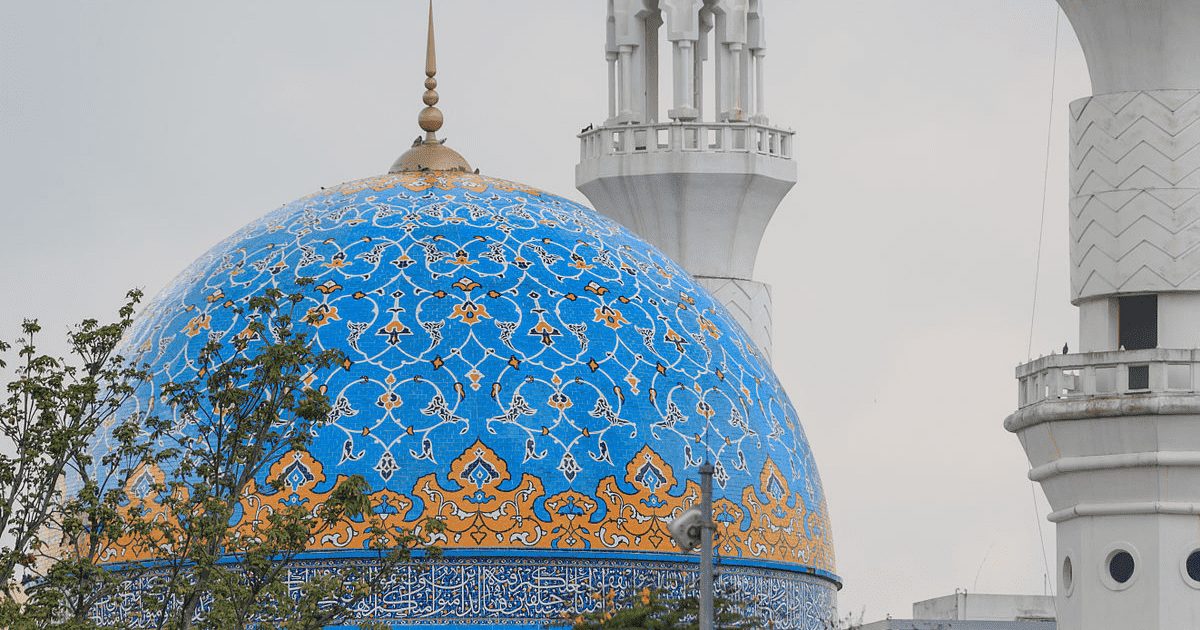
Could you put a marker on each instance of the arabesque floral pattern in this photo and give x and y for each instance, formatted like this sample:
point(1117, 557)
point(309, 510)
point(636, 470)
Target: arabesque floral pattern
point(518, 365)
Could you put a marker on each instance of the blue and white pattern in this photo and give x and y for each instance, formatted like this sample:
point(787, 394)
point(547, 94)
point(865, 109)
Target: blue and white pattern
point(532, 592)
point(533, 374)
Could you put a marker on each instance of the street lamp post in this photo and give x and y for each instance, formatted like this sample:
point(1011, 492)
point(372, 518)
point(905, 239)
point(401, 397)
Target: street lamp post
point(706, 547)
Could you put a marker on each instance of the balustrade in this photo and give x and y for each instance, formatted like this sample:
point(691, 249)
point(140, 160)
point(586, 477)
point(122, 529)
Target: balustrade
point(1107, 374)
point(673, 137)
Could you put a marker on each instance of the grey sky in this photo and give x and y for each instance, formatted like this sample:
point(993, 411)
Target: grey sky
point(136, 134)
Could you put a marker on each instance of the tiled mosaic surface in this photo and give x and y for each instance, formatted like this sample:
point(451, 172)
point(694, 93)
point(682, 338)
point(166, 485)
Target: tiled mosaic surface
point(510, 591)
point(518, 365)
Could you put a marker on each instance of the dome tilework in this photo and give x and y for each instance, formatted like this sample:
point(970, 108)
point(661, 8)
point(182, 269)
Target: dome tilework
point(526, 370)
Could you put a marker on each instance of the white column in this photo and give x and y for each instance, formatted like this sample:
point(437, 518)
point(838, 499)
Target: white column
point(752, 90)
point(720, 90)
point(700, 56)
point(760, 99)
point(626, 70)
point(650, 85)
point(637, 89)
point(746, 84)
point(736, 100)
point(684, 81)
point(612, 85)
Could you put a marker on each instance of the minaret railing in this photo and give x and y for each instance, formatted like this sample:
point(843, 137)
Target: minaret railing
point(1107, 374)
point(676, 137)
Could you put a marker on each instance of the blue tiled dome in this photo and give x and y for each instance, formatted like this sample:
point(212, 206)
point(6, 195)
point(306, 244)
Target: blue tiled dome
point(533, 374)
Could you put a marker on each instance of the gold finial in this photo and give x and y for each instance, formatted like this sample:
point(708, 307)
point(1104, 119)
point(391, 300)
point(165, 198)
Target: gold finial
point(430, 154)
point(431, 119)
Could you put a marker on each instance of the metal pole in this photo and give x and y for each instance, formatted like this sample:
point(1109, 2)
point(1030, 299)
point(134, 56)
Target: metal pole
point(706, 548)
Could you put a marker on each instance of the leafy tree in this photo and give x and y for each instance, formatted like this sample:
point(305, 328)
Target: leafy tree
point(248, 406)
point(648, 610)
point(52, 408)
point(92, 524)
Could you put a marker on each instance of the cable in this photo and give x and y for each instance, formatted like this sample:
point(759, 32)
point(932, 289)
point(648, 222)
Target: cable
point(975, 584)
point(1037, 271)
point(1041, 535)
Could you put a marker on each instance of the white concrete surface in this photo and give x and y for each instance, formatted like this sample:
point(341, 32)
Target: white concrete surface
point(1178, 322)
point(1120, 478)
point(707, 208)
point(1121, 470)
point(1138, 44)
point(963, 606)
point(727, 33)
point(1100, 380)
point(1113, 436)
point(750, 305)
point(919, 624)
point(976, 611)
point(703, 186)
point(1135, 193)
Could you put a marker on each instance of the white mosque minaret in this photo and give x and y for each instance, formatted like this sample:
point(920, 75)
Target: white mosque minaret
point(1113, 432)
point(701, 177)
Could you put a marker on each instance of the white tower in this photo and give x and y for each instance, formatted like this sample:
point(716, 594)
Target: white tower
point(701, 182)
point(1113, 433)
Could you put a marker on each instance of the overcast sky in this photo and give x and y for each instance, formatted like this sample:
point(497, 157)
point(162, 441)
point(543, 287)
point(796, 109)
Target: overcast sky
point(136, 134)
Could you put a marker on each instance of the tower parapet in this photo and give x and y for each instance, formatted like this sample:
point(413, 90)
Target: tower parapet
point(1113, 433)
point(699, 178)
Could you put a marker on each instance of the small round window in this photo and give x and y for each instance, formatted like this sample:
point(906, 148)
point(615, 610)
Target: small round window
point(1068, 574)
point(1121, 566)
point(1193, 566)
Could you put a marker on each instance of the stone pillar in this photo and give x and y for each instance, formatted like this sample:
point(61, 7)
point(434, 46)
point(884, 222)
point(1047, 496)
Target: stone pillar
point(733, 29)
point(701, 56)
point(627, 72)
point(684, 81)
point(612, 85)
point(650, 79)
point(740, 100)
point(760, 92)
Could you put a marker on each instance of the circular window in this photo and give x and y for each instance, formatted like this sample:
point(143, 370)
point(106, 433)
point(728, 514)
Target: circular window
point(1121, 566)
point(1193, 566)
point(1119, 569)
point(1068, 575)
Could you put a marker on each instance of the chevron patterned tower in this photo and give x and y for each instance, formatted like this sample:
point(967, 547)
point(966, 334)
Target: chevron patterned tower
point(1113, 432)
point(702, 178)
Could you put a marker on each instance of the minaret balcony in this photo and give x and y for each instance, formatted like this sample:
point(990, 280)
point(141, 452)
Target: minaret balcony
point(702, 192)
point(1095, 377)
point(686, 137)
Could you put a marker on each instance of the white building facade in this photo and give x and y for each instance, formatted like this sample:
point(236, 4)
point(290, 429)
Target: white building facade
point(690, 161)
point(976, 611)
point(1113, 432)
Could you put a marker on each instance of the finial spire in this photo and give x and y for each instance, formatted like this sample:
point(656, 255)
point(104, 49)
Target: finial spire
point(430, 154)
point(431, 119)
point(430, 48)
